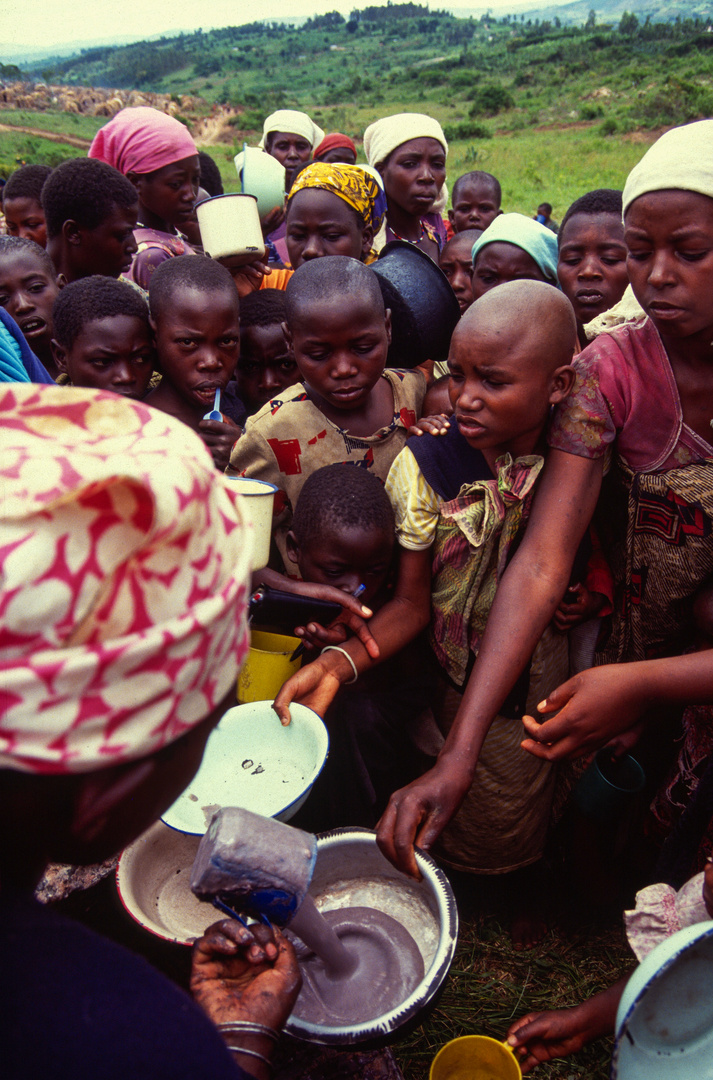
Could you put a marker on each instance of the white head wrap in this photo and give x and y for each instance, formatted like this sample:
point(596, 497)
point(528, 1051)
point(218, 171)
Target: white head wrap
point(383, 136)
point(294, 122)
point(681, 159)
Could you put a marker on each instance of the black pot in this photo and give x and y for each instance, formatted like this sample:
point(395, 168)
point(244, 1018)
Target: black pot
point(424, 310)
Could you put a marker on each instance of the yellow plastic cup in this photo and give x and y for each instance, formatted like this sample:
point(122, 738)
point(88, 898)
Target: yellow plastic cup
point(475, 1057)
point(267, 667)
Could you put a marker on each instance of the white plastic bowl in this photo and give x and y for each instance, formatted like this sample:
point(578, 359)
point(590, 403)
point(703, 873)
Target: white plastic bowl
point(154, 883)
point(252, 761)
point(263, 176)
point(664, 1024)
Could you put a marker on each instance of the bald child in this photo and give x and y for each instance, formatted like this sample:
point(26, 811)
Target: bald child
point(509, 363)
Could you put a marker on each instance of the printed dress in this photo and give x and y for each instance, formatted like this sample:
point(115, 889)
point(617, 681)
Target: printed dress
point(289, 438)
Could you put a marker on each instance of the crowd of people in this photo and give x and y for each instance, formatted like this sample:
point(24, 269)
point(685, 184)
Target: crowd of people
point(523, 552)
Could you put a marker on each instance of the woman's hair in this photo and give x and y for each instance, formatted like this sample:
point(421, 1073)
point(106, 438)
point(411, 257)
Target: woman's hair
point(338, 497)
point(92, 298)
point(85, 191)
point(26, 182)
point(20, 245)
point(599, 201)
point(187, 271)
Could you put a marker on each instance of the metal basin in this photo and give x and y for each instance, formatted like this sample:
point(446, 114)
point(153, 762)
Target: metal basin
point(351, 872)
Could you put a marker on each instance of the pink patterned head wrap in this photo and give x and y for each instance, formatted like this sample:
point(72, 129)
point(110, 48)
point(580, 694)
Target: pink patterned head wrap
point(124, 565)
point(142, 140)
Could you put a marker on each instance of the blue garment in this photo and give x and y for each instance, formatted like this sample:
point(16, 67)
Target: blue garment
point(17, 361)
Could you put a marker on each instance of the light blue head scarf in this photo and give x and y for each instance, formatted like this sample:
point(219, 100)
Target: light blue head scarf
point(539, 243)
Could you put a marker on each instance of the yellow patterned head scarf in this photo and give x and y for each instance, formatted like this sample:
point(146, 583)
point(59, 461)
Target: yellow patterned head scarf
point(352, 183)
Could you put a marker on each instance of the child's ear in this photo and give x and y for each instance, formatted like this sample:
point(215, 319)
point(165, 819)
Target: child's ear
point(387, 323)
point(451, 217)
point(367, 239)
point(72, 233)
point(60, 355)
point(293, 548)
point(288, 337)
point(562, 383)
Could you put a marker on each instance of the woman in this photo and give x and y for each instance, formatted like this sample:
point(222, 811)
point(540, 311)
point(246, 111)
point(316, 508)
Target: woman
point(158, 155)
point(409, 150)
point(123, 599)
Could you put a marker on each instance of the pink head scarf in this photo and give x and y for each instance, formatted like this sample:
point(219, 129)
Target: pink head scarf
point(124, 569)
point(142, 140)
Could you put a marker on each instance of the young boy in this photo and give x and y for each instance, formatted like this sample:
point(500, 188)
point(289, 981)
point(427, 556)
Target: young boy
point(343, 535)
point(461, 502)
point(22, 205)
point(456, 262)
point(266, 367)
point(592, 256)
point(28, 289)
point(347, 407)
point(102, 336)
point(91, 212)
point(195, 315)
point(476, 201)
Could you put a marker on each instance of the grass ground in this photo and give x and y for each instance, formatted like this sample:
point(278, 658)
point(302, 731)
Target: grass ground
point(491, 984)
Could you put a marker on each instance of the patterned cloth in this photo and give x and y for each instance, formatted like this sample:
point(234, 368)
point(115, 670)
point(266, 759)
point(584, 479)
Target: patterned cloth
point(656, 527)
point(351, 183)
point(660, 911)
point(289, 438)
point(154, 247)
point(142, 140)
point(503, 820)
point(124, 570)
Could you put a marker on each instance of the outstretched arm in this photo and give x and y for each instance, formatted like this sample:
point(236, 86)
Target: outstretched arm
point(526, 600)
point(397, 623)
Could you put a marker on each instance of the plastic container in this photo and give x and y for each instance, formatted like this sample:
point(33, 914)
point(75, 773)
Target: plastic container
point(267, 666)
point(259, 500)
point(607, 787)
point(475, 1057)
point(263, 176)
point(230, 228)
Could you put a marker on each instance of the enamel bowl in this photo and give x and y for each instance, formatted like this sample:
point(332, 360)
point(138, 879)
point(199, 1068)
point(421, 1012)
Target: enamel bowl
point(252, 761)
point(263, 176)
point(350, 871)
point(664, 1025)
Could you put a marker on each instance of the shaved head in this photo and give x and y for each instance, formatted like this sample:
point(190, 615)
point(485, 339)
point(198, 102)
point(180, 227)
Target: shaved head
point(530, 314)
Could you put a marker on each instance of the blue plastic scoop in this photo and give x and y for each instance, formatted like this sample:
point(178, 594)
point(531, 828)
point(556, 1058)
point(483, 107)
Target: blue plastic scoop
point(215, 413)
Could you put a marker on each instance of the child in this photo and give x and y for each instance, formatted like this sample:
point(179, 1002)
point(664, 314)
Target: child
point(266, 367)
point(195, 317)
point(156, 153)
point(461, 502)
point(336, 149)
point(592, 256)
point(544, 217)
point(347, 407)
point(476, 201)
point(91, 212)
point(513, 248)
point(343, 535)
point(28, 289)
point(102, 336)
point(22, 205)
point(456, 262)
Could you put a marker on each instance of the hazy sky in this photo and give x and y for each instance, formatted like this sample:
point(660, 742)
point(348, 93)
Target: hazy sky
point(43, 24)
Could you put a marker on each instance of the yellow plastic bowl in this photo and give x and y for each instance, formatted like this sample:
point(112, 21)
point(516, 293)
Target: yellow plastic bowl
point(475, 1057)
point(267, 667)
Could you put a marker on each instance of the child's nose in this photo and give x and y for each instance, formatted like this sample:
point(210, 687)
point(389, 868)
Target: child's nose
point(342, 364)
point(208, 359)
point(23, 302)
point(269, 379)
point(123, 373)
point(131, 247)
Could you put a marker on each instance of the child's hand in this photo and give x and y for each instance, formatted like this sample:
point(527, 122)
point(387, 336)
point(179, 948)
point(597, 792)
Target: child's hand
point(315, 685)
point(578, 605)
point(430, 425)
point(248, 277)
point(273, 219)
point(220, 437)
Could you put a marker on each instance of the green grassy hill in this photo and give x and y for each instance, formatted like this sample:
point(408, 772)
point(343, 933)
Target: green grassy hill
point(552, 109)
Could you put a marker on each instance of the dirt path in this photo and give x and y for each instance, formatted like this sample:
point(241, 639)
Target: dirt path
point(53, 136)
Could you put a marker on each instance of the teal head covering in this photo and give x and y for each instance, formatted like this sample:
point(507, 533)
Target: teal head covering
point(539, 243)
